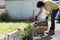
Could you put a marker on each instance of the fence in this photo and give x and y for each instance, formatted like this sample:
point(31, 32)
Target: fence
point(11, 36)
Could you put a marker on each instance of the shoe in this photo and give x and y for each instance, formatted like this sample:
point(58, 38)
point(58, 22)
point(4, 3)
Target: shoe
point(51, 32)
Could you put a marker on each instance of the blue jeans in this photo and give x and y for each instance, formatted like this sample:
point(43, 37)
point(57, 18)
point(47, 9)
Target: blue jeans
point(53, 15)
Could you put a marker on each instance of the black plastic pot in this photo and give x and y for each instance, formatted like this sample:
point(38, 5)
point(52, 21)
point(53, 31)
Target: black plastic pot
point(27, 38)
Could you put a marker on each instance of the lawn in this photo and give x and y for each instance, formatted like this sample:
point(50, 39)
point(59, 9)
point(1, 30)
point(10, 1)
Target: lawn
point(6, 27)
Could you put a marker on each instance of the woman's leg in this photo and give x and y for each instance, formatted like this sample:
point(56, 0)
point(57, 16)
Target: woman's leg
point(53, 15)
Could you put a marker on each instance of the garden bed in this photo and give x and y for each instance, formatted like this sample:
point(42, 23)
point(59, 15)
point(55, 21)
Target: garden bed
point(8, 30)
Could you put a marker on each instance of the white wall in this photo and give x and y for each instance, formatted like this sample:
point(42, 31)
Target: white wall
point(21, 9)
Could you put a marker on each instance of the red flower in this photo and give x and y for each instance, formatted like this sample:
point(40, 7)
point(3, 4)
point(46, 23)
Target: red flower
point(33, 20)
point(29, 21)
point(18, 29)
point(25, 28)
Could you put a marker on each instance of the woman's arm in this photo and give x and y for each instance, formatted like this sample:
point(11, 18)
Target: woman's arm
point(40, 11)
point(49, 13)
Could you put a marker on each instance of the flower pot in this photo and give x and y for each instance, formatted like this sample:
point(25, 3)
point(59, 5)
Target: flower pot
point(40, 30)
point(27, 38)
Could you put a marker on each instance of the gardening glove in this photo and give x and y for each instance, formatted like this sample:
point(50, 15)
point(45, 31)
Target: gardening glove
point(46, 17)
point(36, 17)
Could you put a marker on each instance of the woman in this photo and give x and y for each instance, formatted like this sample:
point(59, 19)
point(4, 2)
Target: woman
point(52, 9)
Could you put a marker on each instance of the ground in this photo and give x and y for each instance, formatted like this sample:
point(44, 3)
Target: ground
point(53, 37)
point(57, 32)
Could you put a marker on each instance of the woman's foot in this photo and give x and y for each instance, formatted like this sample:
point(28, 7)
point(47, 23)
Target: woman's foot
point(51, 32)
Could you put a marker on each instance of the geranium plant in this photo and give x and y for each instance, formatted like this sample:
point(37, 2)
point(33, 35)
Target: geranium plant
point(27, 32)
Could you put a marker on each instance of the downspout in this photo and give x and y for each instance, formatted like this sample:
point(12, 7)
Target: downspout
point(33, 13)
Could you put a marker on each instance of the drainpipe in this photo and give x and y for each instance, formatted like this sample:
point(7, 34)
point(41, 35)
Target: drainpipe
point(33, 13)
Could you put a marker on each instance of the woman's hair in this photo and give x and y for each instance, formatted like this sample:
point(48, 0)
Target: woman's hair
point(40, 4)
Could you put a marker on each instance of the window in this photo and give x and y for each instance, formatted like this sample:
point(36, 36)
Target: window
point(2, 3)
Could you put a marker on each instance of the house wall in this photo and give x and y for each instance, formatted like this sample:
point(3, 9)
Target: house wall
point(21, 9)
point(2, 3)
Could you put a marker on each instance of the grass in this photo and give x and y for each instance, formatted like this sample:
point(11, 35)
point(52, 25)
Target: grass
point(6, 27)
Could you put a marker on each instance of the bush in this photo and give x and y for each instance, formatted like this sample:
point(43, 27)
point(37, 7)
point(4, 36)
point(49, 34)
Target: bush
point(3, 16)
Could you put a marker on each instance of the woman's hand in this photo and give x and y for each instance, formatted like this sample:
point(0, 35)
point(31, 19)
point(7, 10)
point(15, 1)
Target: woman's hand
point(46, 18)
point(49, 13)
point(36, 17)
